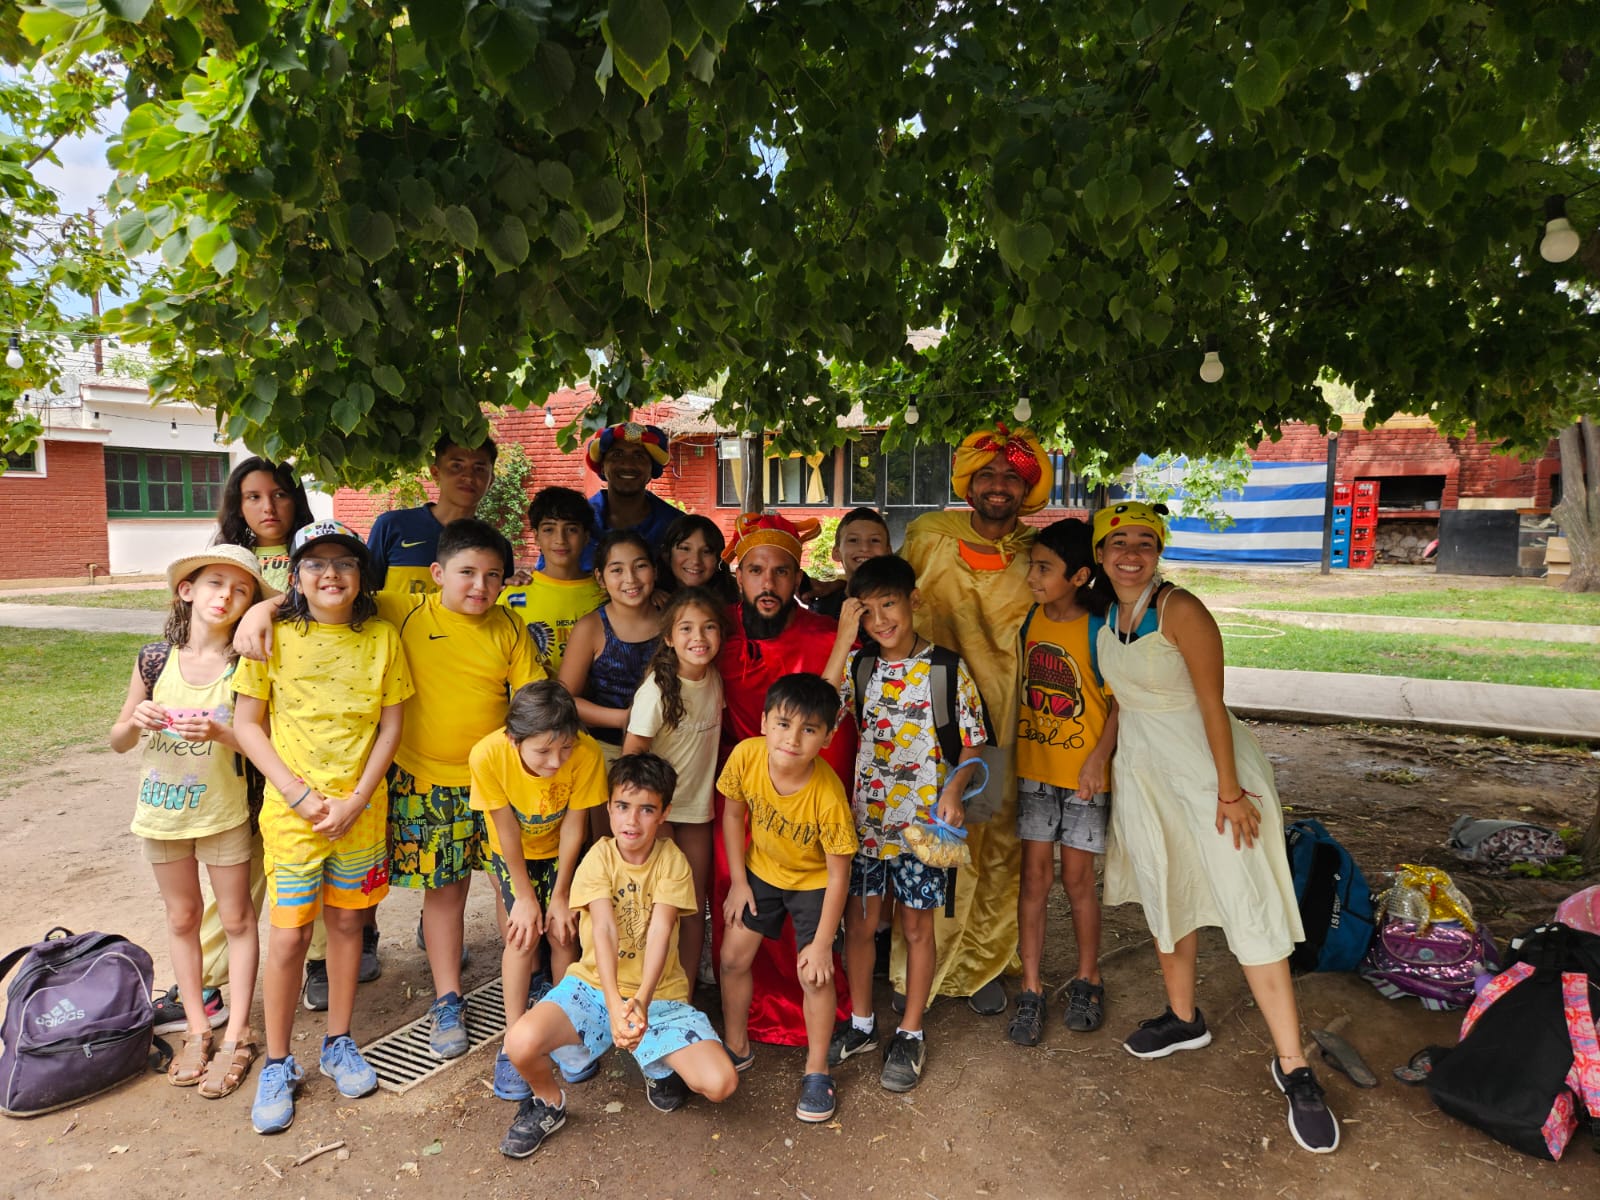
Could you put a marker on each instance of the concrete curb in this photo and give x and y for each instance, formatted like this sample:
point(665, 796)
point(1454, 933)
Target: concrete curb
point(1447, 626)
point(84, 620)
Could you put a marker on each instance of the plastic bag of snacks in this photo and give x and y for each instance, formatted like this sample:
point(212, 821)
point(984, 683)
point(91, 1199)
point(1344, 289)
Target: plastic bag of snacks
point(940, 844)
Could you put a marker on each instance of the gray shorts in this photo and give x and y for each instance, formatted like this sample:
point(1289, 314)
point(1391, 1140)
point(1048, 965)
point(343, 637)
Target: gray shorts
point(1047, 813)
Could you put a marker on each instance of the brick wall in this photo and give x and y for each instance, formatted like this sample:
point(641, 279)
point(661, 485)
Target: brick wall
point(1473, 468)
point(56, 525)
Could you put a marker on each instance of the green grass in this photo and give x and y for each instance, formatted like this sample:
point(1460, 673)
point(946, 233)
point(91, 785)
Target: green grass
point(1524, 604)
point(59, 689)
point(1474, 660)
point(154, 599)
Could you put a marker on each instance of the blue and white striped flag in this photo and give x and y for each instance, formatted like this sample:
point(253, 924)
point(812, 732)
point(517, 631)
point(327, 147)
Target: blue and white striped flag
point(1277, 518)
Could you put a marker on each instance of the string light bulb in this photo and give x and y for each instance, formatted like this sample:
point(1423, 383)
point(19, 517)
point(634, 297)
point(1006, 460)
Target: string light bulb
point(549, 418)
point(1023, 411)
point(1211, 368)
point(1560, 241)
point(912, 415)
point(174, 433)
point(14, 353)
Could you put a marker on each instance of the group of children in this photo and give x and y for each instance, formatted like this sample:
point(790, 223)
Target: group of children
point(413, 734)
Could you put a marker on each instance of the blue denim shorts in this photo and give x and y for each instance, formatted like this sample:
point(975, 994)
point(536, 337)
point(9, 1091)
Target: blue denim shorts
point(673, 1025)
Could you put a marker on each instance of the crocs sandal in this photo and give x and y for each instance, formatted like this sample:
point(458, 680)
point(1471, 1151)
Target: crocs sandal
point(1415, 1073)
point(1342, 1056)
point(228, 1068)
point(188, 1066)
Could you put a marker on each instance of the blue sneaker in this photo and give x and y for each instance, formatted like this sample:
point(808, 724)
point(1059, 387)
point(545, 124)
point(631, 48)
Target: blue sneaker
point(273, 1110)
point(508, 1085)
point(342, 1063)
point(448, 1036)
point(538, 987)
point(582, 1075)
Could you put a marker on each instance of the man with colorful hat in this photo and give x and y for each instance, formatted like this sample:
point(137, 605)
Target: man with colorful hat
point(972, 568)
point(628, 457)
point(770, 635)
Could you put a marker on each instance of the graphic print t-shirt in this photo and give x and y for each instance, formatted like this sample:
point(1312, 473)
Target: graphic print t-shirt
point(790, 836)
point(634, 891)
point(1063, 709)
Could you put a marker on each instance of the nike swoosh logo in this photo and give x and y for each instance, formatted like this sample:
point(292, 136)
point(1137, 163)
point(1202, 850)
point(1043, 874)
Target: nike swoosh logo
point(434, 637)
point(407, 545)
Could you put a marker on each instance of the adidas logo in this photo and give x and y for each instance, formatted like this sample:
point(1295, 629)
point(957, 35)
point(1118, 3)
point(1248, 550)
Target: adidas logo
point(64, 1011)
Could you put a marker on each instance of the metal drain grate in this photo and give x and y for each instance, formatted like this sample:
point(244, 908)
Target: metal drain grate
point(402, 1058)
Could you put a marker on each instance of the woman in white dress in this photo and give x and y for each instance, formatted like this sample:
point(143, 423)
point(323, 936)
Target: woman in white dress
point(1196, 828)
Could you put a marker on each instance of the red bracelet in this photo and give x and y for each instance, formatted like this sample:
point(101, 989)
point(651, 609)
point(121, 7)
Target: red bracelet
point(1242, 794)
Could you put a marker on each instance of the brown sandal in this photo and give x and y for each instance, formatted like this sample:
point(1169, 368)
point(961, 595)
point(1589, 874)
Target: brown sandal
point(228, 1068)
point(189, 1064)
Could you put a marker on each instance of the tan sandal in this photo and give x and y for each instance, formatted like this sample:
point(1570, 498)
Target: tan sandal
point(189, 1064)
point(228, 1068)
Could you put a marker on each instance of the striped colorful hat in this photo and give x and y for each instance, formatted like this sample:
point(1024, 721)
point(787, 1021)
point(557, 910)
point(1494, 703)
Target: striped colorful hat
point(651, 437)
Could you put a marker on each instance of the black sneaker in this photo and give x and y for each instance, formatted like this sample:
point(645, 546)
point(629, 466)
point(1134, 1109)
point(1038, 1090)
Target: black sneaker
point(989, 1000)
point(1164, 1035)
point(535, 1121)
point(171, 1017)
point(848, 1041)
point(1086, 1006)
point(315, 995)
point(902, 1062)
point(371, 968)
point(1312, 1125)
point(1027, 1026)
point(667, 1095)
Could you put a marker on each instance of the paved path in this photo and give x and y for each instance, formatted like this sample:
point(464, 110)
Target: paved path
point(1566, 714)
point(86, 620)
point(1522, 631)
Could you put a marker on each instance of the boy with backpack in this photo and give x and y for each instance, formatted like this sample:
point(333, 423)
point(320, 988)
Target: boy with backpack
point(921, 720)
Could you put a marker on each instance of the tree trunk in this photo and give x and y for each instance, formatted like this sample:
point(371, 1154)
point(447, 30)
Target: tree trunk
point(1578, 514)
point(1589, 849)
point(752, 447)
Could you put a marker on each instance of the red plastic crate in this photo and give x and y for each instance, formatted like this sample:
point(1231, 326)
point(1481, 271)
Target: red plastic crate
point(1361, 557)
point(1362, 534)
point(1367, 489)
point(1341, 493)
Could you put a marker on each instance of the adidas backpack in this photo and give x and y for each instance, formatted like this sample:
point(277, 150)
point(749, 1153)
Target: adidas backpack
point(1335, 902)
point(78, 1020)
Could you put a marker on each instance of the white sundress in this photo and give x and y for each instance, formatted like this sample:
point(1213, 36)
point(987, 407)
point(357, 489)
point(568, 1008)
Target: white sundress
point(1164, 850)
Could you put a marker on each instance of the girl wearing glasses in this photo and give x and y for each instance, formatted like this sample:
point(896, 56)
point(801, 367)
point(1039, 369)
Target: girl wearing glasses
point(331, 693)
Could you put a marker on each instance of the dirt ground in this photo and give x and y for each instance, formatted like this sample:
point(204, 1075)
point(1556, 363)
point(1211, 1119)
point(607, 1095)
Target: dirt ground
point(990, 1118)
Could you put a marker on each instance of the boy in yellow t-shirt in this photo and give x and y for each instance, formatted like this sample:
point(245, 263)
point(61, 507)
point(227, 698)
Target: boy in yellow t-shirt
point(466, 656)
point(561, 592)
point(629, 989)
point(802, 838)
point(533, 780)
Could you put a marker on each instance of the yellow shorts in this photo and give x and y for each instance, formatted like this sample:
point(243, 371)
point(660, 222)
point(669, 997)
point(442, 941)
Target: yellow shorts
point(306, 871)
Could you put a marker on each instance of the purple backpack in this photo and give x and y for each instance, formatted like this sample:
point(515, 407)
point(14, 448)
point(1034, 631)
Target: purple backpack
point(1438, 965)
point(78, 1020)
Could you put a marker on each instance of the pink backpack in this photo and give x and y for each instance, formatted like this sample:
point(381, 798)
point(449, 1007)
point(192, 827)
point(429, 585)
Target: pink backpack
point(1581, 910)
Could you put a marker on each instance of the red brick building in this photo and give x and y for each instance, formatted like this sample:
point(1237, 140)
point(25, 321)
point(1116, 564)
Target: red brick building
point(44, 496)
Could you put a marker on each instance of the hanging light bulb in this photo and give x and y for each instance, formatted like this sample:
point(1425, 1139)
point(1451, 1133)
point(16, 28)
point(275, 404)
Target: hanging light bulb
point(1023, 410)
point(1211, 368)
point(1560, 241)
point(14, 354)
point(549, 418)
point(912, 415)
point(174, 433)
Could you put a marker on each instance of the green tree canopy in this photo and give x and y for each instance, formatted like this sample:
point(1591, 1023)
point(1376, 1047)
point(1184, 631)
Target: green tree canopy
point(378, 217)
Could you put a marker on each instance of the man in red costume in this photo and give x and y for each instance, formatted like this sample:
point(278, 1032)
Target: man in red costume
point(769, 636)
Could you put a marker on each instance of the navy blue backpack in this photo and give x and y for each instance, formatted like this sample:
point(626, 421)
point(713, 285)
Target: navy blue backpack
point(1335, 902)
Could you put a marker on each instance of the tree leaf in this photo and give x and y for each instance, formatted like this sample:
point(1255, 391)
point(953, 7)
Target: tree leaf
point(386, 376)
point(346, 414)
point(567, 234)
point(507, 246)
point(556, 178)
point(463, 226)
point(601, 200)
point(127, 10)
point(639, 32)
point(1256, 84)
point(437, 20)
point(371, 233)
point(716, 17)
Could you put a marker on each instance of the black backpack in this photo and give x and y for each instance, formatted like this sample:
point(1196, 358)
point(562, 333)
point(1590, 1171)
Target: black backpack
point(1527, 1069)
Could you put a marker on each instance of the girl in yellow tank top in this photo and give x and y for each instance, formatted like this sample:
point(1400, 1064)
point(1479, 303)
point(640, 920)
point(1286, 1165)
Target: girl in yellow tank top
point(192, 806)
